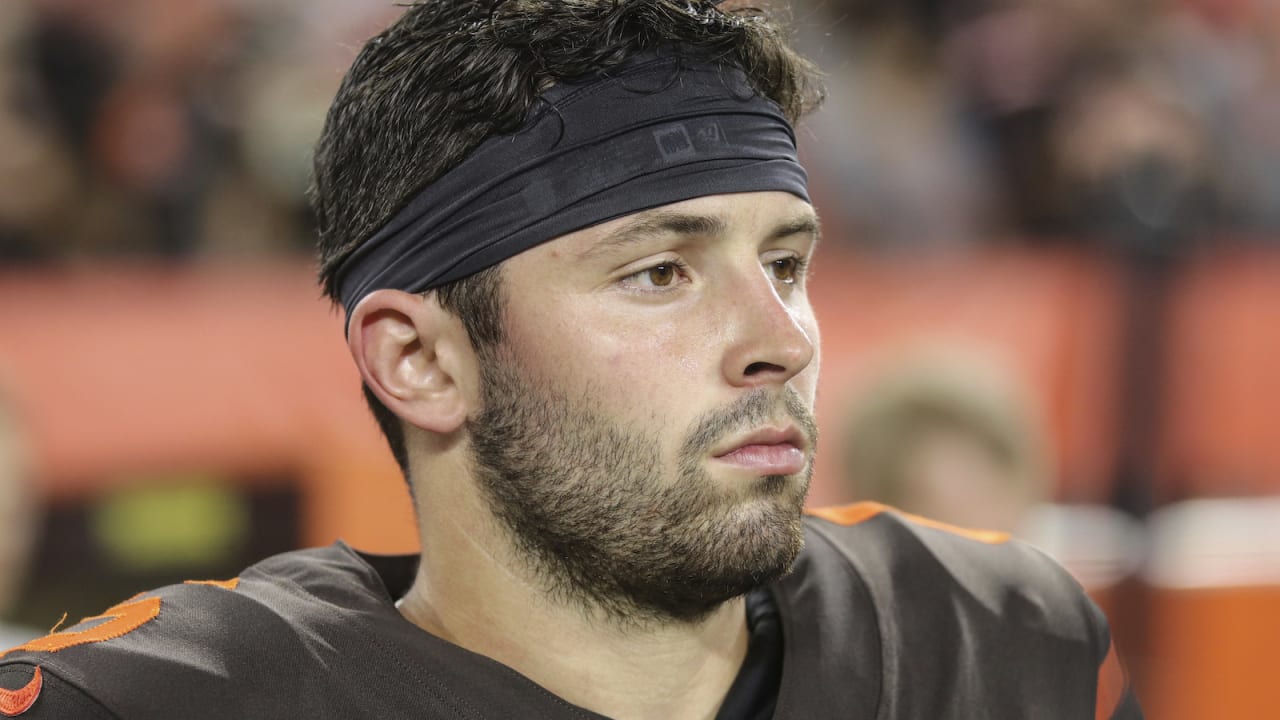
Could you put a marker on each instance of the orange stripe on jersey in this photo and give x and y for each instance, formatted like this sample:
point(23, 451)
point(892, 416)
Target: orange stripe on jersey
point(858, 512)
point(231, 584)
point(15, 702)
point(849, 514)
point(1111, 685)
point(121, 619)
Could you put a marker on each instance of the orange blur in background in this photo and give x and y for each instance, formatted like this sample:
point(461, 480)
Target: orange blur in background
point(139, 371)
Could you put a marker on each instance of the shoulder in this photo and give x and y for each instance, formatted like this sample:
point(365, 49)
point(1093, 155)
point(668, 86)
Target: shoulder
point(891, 548)
point(982, 615)
point(220, 639)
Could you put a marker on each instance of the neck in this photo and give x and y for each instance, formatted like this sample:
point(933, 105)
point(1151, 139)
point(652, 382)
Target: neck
point(474, 590)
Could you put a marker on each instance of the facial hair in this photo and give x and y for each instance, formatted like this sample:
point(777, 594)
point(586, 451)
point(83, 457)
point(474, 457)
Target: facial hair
point(601, 524)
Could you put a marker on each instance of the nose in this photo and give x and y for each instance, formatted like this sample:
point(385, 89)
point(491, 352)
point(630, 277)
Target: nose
point(769, 335)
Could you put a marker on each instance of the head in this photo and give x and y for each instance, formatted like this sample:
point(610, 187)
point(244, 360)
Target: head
point(632, 394)
point(949, 439)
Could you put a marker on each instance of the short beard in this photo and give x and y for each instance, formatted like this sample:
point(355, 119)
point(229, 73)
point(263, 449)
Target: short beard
point(586, 503)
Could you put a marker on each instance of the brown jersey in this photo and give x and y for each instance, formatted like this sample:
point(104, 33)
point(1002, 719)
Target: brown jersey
point(883, 616)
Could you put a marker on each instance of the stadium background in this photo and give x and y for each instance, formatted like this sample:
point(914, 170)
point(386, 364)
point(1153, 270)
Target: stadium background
point(1085, 194)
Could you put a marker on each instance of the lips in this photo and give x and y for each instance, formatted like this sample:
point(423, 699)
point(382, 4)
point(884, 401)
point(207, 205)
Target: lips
point(768, 451)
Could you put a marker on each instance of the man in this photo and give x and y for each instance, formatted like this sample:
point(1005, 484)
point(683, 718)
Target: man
point(570, 240)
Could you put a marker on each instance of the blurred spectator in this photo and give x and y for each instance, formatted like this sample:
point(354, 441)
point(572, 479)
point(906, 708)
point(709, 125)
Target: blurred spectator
point(955, 123)
point(1224, 58)
point(901, 168)
point(1008, 60)
point(18, 524)
point(947, 438)
point(1132, 158)
point(36, 171)
point(142, 128)
point(951, 438)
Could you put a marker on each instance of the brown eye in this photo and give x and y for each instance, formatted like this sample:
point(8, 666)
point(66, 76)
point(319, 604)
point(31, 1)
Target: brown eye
point(784, 269)
point(662, 275)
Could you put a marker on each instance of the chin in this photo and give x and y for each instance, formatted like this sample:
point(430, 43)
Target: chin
point(785, 491)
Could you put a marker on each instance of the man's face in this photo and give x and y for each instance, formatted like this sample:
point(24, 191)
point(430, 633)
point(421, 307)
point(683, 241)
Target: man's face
point(646, 433)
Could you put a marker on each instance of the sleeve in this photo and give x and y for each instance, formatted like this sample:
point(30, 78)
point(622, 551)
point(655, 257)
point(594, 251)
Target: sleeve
point(36, 693)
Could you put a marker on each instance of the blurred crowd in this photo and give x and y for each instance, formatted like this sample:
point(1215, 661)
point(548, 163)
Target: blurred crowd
point(158, 129)
point(1147, 123)
point(139, 127)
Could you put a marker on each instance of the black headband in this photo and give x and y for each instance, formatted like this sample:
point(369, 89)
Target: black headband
point(650, 133)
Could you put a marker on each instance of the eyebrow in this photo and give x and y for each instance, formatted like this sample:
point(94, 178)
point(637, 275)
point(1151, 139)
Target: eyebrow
point(658, 223)
point(800, 224)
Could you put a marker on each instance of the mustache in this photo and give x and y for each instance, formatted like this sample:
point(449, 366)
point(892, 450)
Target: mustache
point(754, 409)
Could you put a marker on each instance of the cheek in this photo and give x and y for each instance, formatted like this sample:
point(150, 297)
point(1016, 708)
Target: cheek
point(641, 359)
point(652, 343)
point(612, 353)
point(634, 369)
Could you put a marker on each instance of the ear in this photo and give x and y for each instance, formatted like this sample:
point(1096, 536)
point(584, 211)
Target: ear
point(415, 356)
